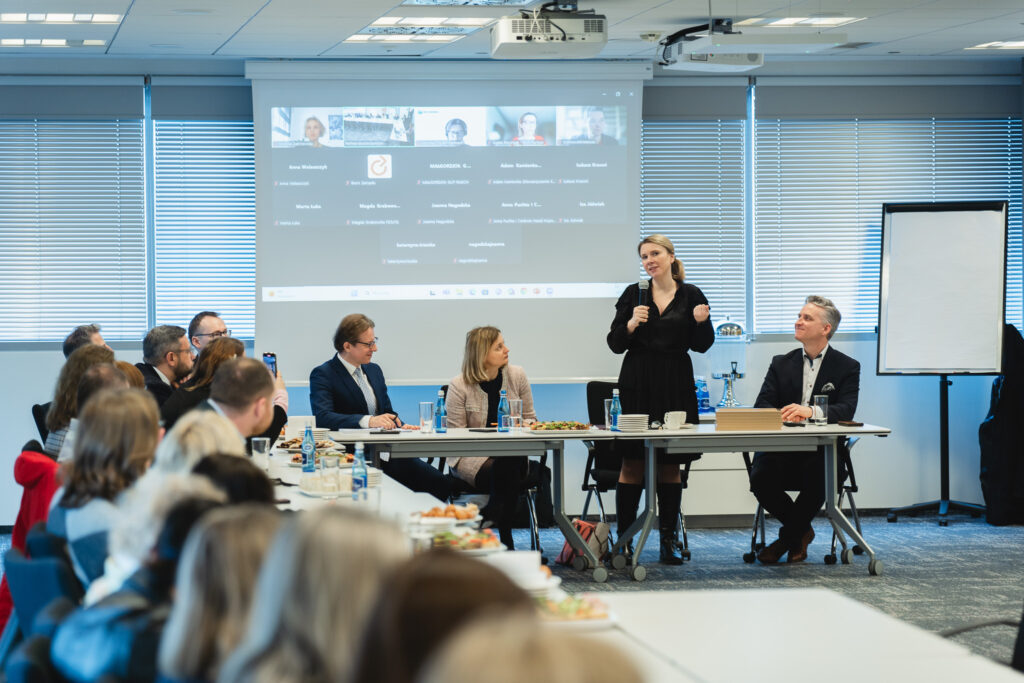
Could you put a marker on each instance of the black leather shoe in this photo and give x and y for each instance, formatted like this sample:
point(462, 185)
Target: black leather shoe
point(670, 553)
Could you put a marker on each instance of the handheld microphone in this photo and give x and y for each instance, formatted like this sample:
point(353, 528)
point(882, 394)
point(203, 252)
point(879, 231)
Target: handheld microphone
point(644, 285)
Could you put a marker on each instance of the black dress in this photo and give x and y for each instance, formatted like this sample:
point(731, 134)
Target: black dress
point(657, 374)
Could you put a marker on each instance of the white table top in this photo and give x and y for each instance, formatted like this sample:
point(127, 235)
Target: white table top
point(791, 635)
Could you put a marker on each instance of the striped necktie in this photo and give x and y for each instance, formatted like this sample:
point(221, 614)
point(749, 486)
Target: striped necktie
point(364, 386)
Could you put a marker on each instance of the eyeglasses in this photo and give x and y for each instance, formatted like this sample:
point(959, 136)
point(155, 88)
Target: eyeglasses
point(215, 335)
point(370, 344)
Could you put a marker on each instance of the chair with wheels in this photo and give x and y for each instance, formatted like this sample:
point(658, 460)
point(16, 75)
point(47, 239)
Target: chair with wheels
point(39, 412)
point(847, 487)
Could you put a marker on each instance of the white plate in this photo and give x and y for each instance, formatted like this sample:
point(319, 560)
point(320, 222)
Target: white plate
point(477, 552)
point(342, 465)
point(321, 494)
point(684, 426)
point(544, 587)
point(583, 624)
point(444, 521)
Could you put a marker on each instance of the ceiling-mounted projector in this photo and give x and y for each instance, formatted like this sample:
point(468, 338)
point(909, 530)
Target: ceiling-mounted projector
point(778, 41)
point(676, 58)
point(549, 34)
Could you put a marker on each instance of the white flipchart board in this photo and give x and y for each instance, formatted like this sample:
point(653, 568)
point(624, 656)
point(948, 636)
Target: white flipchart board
point(942, 289)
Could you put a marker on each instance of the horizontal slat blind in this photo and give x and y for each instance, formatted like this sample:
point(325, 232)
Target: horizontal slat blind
point(205, 222)
point(72, 228)
point(819, 190)
point(691, 191)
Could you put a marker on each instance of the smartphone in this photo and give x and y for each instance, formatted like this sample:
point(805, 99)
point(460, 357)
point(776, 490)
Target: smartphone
point(483, 429)
point(793, 424)
point(271, 360)
point(850, 423)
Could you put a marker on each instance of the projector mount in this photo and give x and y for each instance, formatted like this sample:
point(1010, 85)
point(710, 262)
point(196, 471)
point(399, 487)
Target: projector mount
point(685, 34)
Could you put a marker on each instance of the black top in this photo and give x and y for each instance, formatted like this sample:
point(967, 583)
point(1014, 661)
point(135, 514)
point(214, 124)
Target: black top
point(657, 374)
point(492, 388)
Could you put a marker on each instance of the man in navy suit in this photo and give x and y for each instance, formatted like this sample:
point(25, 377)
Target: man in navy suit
point(349, 392)
point(792, 381)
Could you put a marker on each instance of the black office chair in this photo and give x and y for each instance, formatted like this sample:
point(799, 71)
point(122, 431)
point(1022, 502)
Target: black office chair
point(847, 487)
point(603, 463)
point(39, 415)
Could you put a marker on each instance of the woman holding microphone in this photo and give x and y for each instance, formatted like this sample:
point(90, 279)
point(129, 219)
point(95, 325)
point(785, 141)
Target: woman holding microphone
point(655, 332)
point(472, 401)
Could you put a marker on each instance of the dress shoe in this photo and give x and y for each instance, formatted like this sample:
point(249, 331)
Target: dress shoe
point(670, 553)
point(799, 554)
point(773, 552)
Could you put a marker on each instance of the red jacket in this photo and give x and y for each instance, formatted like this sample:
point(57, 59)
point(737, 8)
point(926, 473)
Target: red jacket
point(36, 472)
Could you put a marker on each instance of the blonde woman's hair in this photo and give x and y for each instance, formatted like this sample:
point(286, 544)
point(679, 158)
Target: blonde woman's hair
point(197, 434)
point(511, 648)
point(118, 431)
point(215, 585)
point(143, 508)
point(321, 579)
point(678, 272)
point(479, 341)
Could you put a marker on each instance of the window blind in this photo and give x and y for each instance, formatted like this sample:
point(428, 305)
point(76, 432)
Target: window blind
point(819, 190)
point(691, 191)
point(205, 222)
point(72, 228)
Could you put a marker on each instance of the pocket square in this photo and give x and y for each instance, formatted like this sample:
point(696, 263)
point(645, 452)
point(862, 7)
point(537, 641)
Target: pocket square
point(829, 387)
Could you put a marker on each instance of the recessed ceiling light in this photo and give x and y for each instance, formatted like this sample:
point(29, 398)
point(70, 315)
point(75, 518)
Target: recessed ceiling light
point(54, 42)
point(1000, 45)
point(13, 17)
point(59, 18)
point(106, 18)
point(12, 42)
point(83, 17)
point(94, 43)
point(421, 21)
point(36, 16)
point(386, 21)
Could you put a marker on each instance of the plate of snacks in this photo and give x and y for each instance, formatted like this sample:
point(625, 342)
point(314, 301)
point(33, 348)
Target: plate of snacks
point(444, 515)
point(584, 612)
point(482, 542)
point(295, 445)
point(346, 458)
point(559, 426)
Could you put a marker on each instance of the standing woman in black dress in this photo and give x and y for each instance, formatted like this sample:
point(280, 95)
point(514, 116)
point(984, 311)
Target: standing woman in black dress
point(657, 377)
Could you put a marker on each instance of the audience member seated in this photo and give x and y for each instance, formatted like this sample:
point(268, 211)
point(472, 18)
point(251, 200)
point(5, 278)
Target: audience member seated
point(349, 392)
point(196, 435)
point(321, 579)
point(238, 478)
point(97, 377)
point(427, 600)
point(167, 360)
point(196, 388)
point(65, 396)
point(132, 374)
point(514, 649)
point(118, 637)
point(472, 401)
point(82, 335)
point(141, 513)
point(253, 400)
point(117, 435)
point(214, 589)
point(205, 327)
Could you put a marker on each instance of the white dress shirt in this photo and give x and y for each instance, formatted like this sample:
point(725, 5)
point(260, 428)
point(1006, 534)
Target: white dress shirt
point(355, 371)
point(811, 368)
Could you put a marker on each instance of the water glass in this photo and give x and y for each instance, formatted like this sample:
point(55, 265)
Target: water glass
point(330, 476)
point(506, 423)
point(607, 413)
point(516, 413)
point(261, 452)
point(820, 406)
point(426, 417)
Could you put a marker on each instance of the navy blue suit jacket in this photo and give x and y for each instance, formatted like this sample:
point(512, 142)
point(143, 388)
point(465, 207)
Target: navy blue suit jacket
point(336, 399)
point(838, 378)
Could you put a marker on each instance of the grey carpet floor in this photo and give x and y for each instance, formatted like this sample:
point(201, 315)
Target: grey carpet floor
point(936, 578)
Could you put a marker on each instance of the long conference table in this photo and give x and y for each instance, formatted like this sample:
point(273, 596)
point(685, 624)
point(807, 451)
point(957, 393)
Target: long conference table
point(703, 438)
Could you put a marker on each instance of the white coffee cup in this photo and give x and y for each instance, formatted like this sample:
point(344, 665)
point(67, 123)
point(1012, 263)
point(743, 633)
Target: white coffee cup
point(675, 419)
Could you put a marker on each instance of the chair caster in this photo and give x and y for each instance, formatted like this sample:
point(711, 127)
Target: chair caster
point(600, 575)
point(875, 567)
point(638, 573)
point(830, 559)
point(891, 517)
point(846, 556)
point(579, 563)
point(749, 557)
point(857, 550)
point(686, 555)
point(619, 561)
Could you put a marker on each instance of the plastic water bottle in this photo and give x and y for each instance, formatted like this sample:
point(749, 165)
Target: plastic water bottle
point(308, 451)
point(615, 411)
point(359, 475)
point(504, 413)
point(703, 398)
point(440, 414)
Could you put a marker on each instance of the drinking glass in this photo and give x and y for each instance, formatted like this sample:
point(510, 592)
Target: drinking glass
point(426, 417)
point(820, 405)
point(607, 413)
point(516, 412)
point(261, 453)
point(330, 476)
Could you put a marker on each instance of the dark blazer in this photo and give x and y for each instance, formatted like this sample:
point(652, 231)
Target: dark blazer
point(336, 399)
point(272, 433)
point(155, 384)
point(838, 378)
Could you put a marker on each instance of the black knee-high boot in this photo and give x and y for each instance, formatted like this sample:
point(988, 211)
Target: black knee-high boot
point(670, 495)
point(627, 500)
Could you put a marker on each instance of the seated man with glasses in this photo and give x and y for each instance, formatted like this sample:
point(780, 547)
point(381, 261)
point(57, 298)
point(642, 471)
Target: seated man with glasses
point(349, 392)
point(206, 327)
point(167, 360)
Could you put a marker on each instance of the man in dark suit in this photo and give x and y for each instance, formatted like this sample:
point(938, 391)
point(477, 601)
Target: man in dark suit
point(349, 392)
point(167, 358)
point(792, 381)
point(242, 391)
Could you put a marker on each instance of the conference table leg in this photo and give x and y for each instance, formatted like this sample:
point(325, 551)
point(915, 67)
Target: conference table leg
point(644, 521)
point(839, 521)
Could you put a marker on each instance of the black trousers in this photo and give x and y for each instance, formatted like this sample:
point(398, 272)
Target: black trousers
point(773, 474)
point(502, 479)
point(417, 475)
